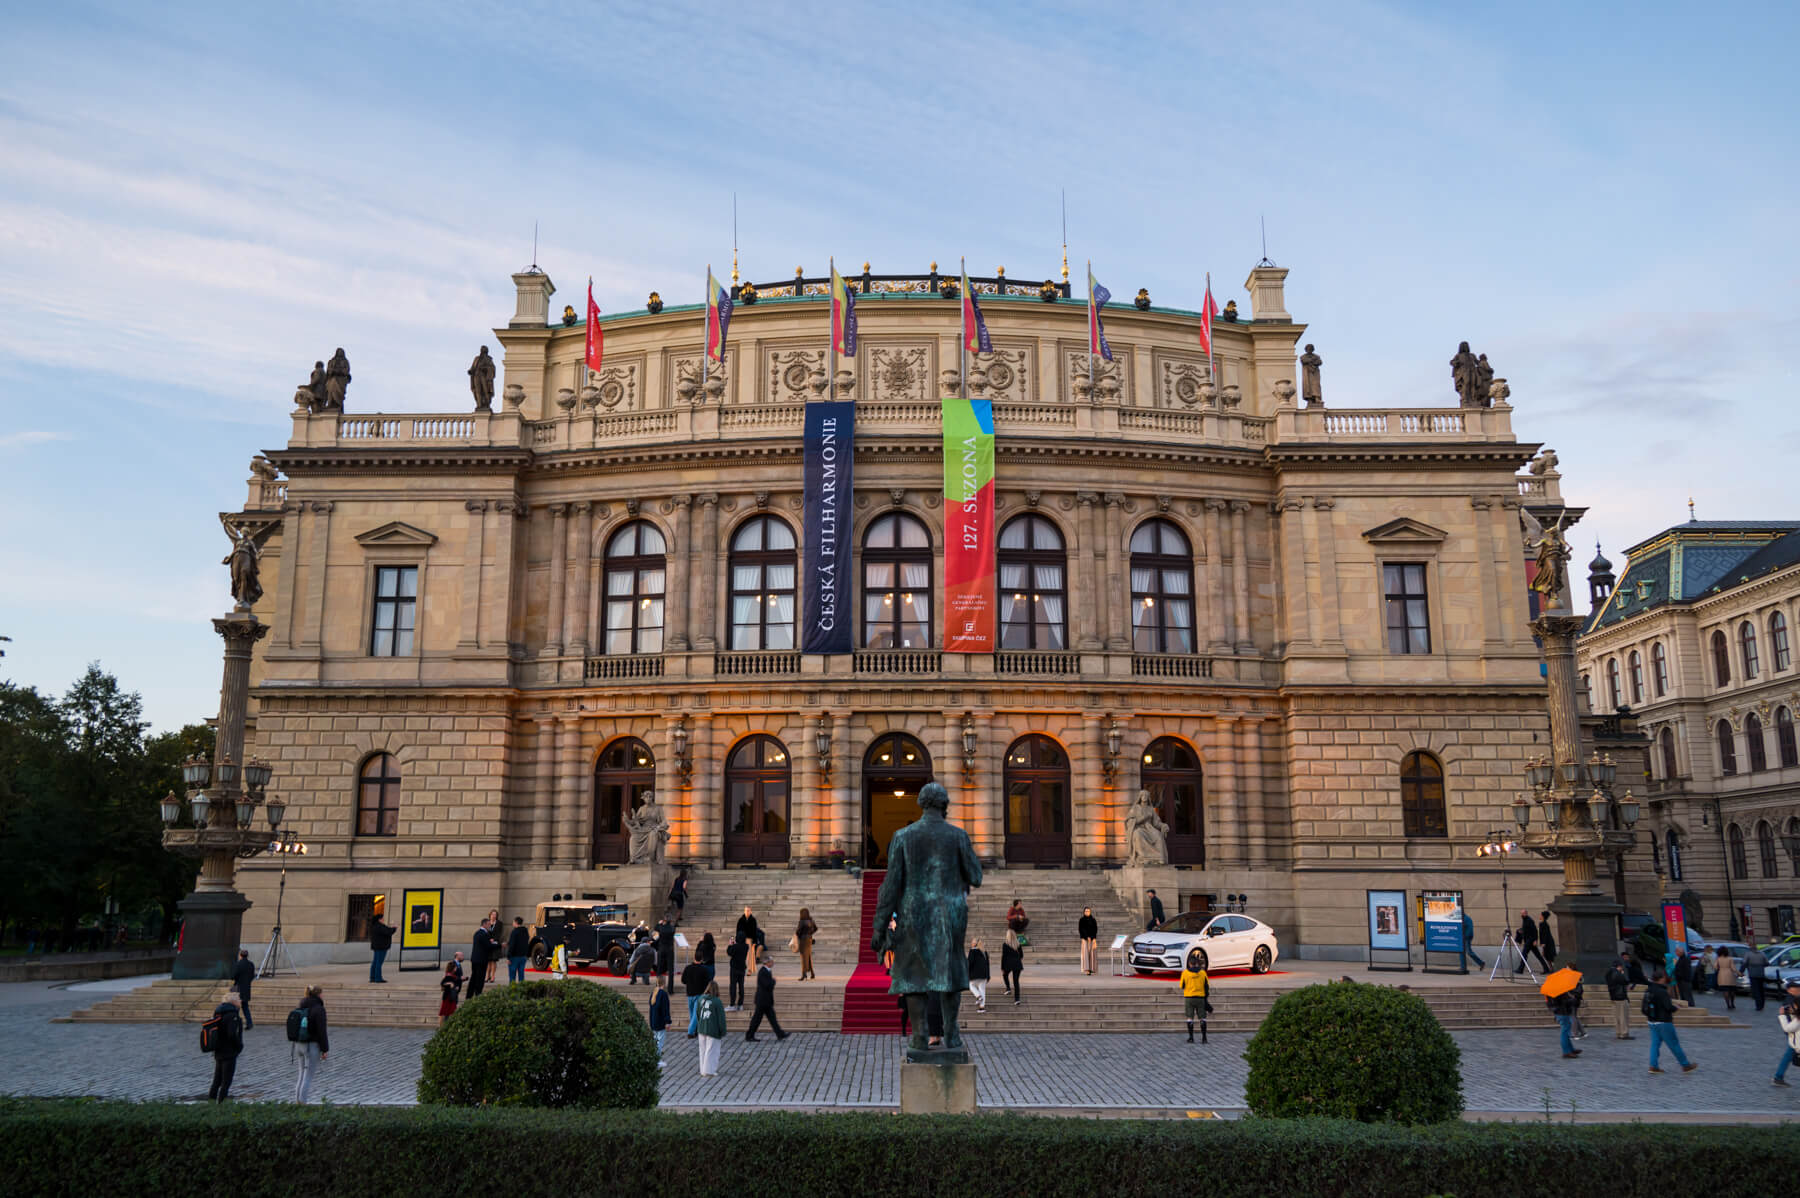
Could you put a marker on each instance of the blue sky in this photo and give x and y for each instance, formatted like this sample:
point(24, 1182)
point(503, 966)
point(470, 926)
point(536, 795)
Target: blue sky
point(197, 204)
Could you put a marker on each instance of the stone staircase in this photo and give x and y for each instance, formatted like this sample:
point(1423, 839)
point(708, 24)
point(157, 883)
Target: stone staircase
point(1053, 900)
point(716, 897)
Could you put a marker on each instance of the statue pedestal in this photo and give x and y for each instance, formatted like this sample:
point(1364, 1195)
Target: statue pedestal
point(936, 1089)
point(1133, 882)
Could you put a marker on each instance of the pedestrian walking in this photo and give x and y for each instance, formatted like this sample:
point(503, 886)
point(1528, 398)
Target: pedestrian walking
point(228, 1042)
point(764, 1001)
point(315, 1044)
point(1546, 939)
point(1790, 1027)
point(711, 1030)
point(1659, 1010)
point(665, 950)
point(242, 974)
point(750, 934)
point(1684, 976)
point(659, 1019)
point(804, 931)
point(1563, 1007)
point(707, 953)
point(1618, 992)
point(381, 939)
point(737, 955)
point(978, 974)
point(1527, 936)
point(518, 950)
point(1089, 930)
point(1706, 969)
point(1726, 977)
point(1468, 926)
point(1193, 994)
point(1754, 966)
point(1011, 962)
point(484, 949)
point(694, 981)
point(678, 893)
point(1156, 911)
point(449, 992)
point(493, 927)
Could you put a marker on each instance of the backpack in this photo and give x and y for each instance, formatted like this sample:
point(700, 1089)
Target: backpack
point(1644, 1005)
point(211, 1033)
point(222, 1031)
point(299, 1026)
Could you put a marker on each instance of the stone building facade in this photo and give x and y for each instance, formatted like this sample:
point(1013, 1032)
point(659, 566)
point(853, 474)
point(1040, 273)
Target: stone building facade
point(1696, 640)
point(1304, 628)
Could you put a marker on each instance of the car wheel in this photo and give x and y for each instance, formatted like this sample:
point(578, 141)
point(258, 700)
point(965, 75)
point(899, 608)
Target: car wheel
point(540, 957)
point(616, 961)
point(1260, 962)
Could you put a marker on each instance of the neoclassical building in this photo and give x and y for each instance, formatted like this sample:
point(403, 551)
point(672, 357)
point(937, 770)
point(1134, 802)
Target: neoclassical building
point(1696, 638)
point(493, 633)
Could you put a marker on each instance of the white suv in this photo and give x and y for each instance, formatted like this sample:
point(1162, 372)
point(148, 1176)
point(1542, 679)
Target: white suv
point(1224, 941)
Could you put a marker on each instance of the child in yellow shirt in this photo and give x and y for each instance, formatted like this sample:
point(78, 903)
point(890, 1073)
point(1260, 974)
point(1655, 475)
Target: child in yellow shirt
point(1193, 993)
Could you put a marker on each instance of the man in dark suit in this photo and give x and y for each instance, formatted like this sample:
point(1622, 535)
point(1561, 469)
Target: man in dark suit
point(480, 954)
point(765, 1002)
point(242, 974)
point(381, 939)
point(1156, 911)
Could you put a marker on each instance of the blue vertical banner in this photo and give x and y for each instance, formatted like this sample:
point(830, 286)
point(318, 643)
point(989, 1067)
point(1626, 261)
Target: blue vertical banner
point(826, 595)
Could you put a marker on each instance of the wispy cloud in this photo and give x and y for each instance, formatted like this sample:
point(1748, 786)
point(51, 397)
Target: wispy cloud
point(21, 439)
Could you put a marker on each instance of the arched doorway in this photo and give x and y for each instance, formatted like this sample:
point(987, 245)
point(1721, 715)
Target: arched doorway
point(623, 778)
point(1037, 802)
point(895, 769)
point(1171, 773)
point(756, 802)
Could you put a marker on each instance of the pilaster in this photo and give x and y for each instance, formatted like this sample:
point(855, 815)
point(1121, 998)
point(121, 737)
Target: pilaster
point(675, 611)
point(559, 536)
point(1216, 612)
point(473, 567)
point(1086, 575)
point(581, 556)
point(707, 639)
point(1240, 575)
point(315, 574)
point(1113, 597)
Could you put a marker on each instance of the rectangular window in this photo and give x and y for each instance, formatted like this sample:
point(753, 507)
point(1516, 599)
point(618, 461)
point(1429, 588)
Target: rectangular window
point(362, 908)
point(1408, 623)
point(396, 595)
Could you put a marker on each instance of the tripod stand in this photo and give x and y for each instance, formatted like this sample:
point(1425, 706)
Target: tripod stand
point(1509, 950)
point(275, 957)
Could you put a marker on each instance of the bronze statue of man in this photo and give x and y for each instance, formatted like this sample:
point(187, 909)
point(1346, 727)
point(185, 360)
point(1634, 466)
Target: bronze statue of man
point(481, 381)
point(931, 866)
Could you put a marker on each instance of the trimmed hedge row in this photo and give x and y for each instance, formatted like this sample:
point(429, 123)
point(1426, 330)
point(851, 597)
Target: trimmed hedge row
point(72, 1146)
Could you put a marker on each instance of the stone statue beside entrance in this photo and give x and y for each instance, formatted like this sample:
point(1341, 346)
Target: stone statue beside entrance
point(649, 828)
point(931, 866)
point(1146, 835)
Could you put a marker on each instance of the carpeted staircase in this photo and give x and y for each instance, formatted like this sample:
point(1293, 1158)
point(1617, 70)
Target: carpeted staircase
point(868, 1007)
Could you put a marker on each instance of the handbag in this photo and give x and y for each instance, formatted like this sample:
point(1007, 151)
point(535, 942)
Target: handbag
point(1024, 940)
point(793, 944)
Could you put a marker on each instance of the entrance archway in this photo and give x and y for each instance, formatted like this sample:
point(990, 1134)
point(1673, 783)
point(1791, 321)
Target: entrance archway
point(895, 769)
point(757, 776)
point(1037, 802)
point(1171, 773)
point(624, 777)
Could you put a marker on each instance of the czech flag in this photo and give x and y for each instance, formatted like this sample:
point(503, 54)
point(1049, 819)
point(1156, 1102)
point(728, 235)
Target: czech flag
point(1208, 310)
point(596, 341)
point(975, 334)
point(1097, 297)
point(718, 318)
point(843, 315)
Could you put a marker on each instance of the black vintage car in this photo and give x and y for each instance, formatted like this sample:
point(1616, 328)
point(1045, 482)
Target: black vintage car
point(594, 933)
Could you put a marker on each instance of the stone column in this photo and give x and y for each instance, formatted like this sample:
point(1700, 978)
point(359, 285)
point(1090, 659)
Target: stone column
point(290, 615)
point(972, 797)
point(566, 835)
point(708, 803)
point(815, 801)
point(706, 637)
point(474, 551)
point(581, 557)
point(1258, 827)
point(1224, 843)
point(1309, 528)
point(1503, 520)
point(846, 820)
point(1114, 595)
point(1215, 579)
point(1085, 574)
point(991, 781)
point(684, 841)
point(315, 575)
point(1240, 576)
point(1092, 795)
point(1491, 599)
point(1325, 528)
point(559, 536)
point(544, 791)
point(675, 611)
point(1293, 573)
point(504, 623)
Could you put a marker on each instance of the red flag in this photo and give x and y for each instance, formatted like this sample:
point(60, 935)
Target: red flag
point(1208, 310)
point(596, 341)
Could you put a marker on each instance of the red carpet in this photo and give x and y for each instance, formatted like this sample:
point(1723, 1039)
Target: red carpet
point(1220, 975)
point(868, 1007)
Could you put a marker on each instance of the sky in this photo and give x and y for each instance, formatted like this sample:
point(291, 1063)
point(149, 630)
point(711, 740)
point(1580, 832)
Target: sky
point(199, 202)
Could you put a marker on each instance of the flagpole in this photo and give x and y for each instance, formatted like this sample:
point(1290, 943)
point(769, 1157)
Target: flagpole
point(1212, 355)
point(1093, 338)
point(587, 370)
point(706, 311)
point(962, 342)
point(831, 327)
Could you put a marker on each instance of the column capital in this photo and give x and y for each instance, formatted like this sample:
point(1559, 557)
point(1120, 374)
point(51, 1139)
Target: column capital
point(681, 500)
point(581, 507)
point(557, 510)
point(1087, 498)
point(1214, 505)
point(1114, 498)
point(1323, 503)
point(1239, 506)
point(1480, 503)
point(708, 498)
point(475, 505)
point(322, 505)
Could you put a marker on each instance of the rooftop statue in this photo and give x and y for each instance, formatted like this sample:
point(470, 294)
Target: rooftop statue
point(481, 381)
point(1309, 378)
point(1551, 576)
point(315, 389)
point(245, 560)
point(1465, 373)
point(337, 381)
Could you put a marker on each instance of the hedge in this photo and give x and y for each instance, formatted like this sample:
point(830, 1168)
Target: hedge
point(73, 1146)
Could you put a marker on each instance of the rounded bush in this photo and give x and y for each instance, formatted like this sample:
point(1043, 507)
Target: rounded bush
point(542, 1043)
point(1347, 1050)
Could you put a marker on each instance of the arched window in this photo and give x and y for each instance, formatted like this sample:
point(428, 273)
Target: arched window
point(1422, 796)
point(1659, 668)
point(1765, 849)
point(1037, 802)
point(1637, 677)
point(1587, 691)
point(1747, 648)
point(1655, 854)
point(763, 564)
point(1740, 868)
point(1753, 740)
point(1721, 659)
point(1162, 589)
point(1792, 837)
point(896, 560)
point(1784, 737)
point(1727, 748)
point(635, 572)
point(378, 797)
point(757, 776)
point(1674, 856)
point(1031, 562)
point(1171, 773)
point(1612, 683)
point(624, 777)
point(1667, 741)
point(1781, 656)
point(894, 770)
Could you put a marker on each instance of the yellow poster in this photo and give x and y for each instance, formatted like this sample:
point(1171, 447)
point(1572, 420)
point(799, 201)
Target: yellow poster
point(423, 911)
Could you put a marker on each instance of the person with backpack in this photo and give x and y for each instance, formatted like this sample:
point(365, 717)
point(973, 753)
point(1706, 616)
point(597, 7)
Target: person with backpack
point(381, 939)
point(311, 1038)
point(223, 1036)
point(242, 974)
point(642, 963)
point(518, 949)
point(1659, 1010)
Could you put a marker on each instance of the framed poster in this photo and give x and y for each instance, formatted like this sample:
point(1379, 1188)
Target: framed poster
point(1389, 938)
point(422, 927)
point(1442, 915)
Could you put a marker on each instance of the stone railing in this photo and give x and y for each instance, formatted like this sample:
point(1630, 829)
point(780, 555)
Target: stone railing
point(1307, 425)
point(896, 661)
point(1018, 661)
point(1170, 665)
point(599, 669)
point(474, 429)
point(756, 663)
point(1541, 490)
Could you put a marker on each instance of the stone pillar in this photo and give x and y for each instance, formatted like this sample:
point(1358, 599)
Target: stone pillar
point(315, 575)
point(846, 820)
point(1309, 531)
point(1293, 573)
point(708, 803)
point(543, 791)
point(1503, 521)
point(566, 833)
point(1092, 797)
point(1254, 814)
point(290, 615)
point(559, 536)
point(504, 623)
point(1114, 594)
point(1215, 579)
point(1240, 576)
point(685, 833)
point(971, 798)
point(581, 557)
point(814, 800)
point(1086, 574)
point(1224, 843)
point(706, 637)
point(991, 782)
point(675, 611)
point(1492, 601)
point(1324, 527)
point(474, 550)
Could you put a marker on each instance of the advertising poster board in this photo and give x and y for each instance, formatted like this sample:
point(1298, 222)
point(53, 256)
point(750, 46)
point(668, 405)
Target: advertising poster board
point(968, 525)
point(421, 928)
point(1442, 913)
point(1675, 925)
point(1389, 937)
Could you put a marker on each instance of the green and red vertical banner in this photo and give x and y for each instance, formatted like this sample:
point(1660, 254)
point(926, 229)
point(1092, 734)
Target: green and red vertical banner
point(969, 526)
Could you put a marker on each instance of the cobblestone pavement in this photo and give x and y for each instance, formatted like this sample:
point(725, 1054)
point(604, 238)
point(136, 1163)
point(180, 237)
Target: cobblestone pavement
point(1504, 1071)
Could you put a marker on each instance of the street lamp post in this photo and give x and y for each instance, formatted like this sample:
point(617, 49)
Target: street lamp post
point(1710, 809)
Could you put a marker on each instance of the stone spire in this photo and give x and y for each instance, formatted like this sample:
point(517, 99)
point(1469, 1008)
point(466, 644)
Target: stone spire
point(1600, 578)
